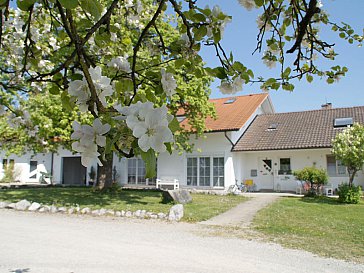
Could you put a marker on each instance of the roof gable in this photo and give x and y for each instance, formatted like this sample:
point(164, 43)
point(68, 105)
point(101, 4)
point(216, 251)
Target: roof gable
point(232, 116)
point(296, 130)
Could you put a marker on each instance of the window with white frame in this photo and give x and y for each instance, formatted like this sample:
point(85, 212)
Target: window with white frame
point(218, 172)
point(335, 167)
point(285, 166)
point(205, 171)
point(137, 172)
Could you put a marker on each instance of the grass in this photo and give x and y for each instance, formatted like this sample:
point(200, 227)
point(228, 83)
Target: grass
point(202, 207)
point(319, 225)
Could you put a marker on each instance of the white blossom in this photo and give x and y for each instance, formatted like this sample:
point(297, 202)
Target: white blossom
point(149, 125)
point(169, 83)
point(120, 63)
point(80, 88)
point(228, 87)
point(89, 138)
point(248, 4)
point(269, 63)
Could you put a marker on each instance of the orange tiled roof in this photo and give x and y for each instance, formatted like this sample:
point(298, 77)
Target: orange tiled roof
point(232, 116)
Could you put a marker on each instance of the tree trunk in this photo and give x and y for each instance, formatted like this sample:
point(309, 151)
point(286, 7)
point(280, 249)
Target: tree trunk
point(351, 177)
point(104, 173)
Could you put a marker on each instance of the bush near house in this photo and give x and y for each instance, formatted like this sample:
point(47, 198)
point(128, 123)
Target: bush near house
point(349, 195)
point(315, 177)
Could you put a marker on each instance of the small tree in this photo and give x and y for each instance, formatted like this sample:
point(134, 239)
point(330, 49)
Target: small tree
point(316, 178)
point(348, 147)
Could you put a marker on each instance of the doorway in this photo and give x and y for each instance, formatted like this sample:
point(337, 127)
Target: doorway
point(73, 171)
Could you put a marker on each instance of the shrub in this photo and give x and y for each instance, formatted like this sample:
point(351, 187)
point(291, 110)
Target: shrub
point(316, 178)
point(349, 195)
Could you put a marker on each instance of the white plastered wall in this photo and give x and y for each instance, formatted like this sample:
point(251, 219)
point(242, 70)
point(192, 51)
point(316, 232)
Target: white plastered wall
point(22, 166)
point(248, 161)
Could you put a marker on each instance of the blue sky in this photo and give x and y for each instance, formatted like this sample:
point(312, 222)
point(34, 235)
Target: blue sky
point(240, 38)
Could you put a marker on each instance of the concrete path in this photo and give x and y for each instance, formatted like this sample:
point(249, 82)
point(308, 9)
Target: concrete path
point(58, 243)
point(242, 215)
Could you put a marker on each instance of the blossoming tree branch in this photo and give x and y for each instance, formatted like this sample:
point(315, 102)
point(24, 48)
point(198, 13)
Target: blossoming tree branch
point(105, 77)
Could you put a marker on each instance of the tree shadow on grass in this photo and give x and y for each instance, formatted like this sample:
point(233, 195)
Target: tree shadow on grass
point(24, 270)
point(321, 200)
point(82, 196)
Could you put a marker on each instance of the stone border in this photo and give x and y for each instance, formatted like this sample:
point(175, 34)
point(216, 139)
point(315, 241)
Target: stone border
point(175, 212)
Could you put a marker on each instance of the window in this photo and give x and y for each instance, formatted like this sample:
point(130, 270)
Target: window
point(218, 172)
point(136, 172)
point(273, 127)
point(284, 166)
point(343, 122)
point(335, 167)
point(8, 163)
point(205, 171)
point(192, 171)
point(33, 169)
point(230, 101)
point(181, 118)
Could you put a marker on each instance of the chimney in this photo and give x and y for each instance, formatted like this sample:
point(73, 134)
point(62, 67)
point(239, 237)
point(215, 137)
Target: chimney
point(327, 105)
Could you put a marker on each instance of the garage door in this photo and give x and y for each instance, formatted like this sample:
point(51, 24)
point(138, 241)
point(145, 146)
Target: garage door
point(73, 171)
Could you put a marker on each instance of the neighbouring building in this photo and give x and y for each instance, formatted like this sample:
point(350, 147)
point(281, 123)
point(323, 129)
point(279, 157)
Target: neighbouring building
point(248, 140)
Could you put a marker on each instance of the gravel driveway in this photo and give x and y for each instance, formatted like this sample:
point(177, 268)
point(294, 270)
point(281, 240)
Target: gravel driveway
point(37, 243)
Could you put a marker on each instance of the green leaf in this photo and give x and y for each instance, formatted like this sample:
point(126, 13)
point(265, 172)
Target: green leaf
point(342, 35)
point(3, 2)
point(150, 161)
point(93, 7)
point(69, 4)
point(25, 4)
point(198, 17)
point(259, 3)
point(174, 125)
point(54, 90)
point(330, 80)
point(309, 78)
point(270, 81)
point(286, 72)
point(200, 32)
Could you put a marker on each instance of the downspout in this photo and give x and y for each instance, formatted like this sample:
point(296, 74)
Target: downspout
point(226, 136)
point(52, 159)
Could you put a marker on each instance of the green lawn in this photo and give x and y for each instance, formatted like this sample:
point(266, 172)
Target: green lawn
point(203, 206)
point(321, 226)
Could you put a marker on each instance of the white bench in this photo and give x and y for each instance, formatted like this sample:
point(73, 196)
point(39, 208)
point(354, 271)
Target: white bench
point(166, 181)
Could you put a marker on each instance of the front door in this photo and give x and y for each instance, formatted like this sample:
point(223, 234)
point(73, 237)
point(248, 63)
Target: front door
point(73, 171)
point(266, 178)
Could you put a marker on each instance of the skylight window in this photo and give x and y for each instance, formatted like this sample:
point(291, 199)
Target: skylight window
point(343, 122)
point(230, 101)
point(272, 127)
point(181, 118)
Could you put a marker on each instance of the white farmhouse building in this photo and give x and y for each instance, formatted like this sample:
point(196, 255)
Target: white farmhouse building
point(246, 141)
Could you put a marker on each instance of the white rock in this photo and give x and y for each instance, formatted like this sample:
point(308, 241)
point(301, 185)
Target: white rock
point(34, 206)
point(95, 212)
point(103, 211)
point(44, 209)
point(71, 210)
point(62, 209)
point(3, 205)
point(110, 212)
point(122, 213)
point(128, 214)
point(85, 210)
point(161, 215)
point(176, 213)
point(10, 206)
point(137, 213)
point(53, 209)
point(22, 205)
point(118, 213)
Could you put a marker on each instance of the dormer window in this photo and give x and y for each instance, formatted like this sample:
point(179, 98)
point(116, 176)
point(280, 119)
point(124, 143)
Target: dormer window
point(230, 101)
point(343, 122)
